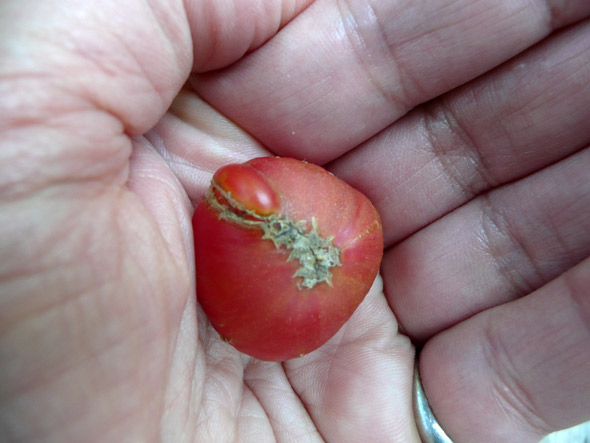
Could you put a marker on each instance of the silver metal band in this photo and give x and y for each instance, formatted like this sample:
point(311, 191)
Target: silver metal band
point(428, 428)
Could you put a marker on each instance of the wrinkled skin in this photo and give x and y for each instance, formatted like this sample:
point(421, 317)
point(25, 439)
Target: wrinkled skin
point(466, 123)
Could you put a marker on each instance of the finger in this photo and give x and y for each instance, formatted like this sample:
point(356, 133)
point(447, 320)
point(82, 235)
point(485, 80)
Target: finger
point(115, 59)
point(196, 140)
point(343, 71)
point(357, 387)
point(521, 117)
point(518, 371)
point(73, 90)
point(288, 417)
point(221, 408)
point(499, 247)
point(223, 32)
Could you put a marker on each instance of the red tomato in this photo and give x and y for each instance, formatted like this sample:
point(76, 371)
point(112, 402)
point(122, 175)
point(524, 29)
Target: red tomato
point(285, 252)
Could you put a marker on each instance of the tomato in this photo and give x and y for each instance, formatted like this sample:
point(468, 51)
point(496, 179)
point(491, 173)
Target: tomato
point(284, 254)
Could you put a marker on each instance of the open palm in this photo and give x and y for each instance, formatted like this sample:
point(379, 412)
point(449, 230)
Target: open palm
point(464, 122)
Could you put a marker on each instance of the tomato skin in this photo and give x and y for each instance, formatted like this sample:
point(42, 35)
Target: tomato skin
point(246, 284)
point(249, 187)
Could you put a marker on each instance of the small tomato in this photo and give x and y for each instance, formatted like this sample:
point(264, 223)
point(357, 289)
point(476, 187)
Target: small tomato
point(285, 252)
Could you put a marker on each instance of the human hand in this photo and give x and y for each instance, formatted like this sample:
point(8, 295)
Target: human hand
point(99, 336)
